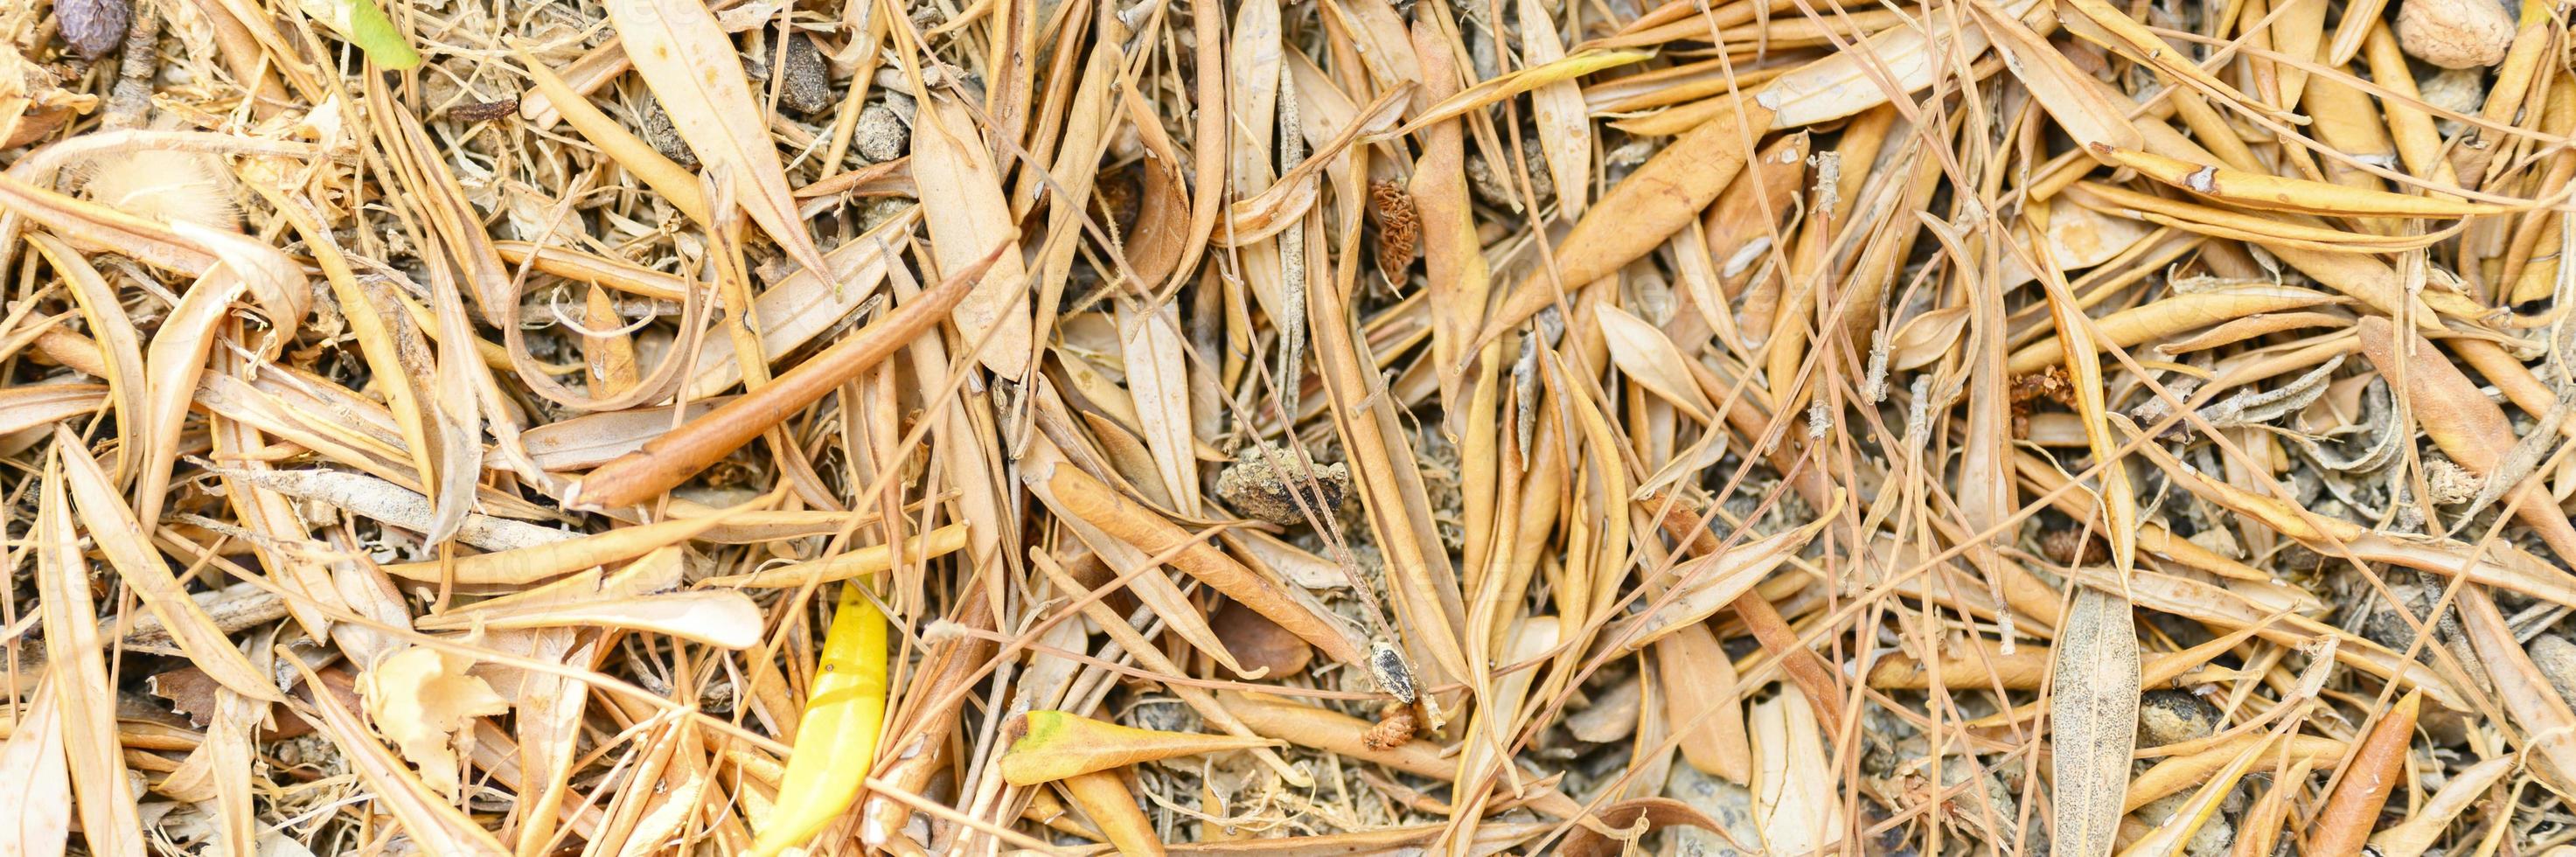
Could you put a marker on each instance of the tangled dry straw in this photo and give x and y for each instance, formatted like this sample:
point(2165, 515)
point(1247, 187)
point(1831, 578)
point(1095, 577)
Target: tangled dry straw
point(1774, 427)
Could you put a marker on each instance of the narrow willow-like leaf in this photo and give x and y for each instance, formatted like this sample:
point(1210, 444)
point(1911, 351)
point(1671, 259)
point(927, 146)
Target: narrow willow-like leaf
point(2093, 722)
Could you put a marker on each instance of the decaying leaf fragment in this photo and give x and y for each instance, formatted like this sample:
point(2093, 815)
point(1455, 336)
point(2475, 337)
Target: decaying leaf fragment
point(2093, 721)
point(420, 697)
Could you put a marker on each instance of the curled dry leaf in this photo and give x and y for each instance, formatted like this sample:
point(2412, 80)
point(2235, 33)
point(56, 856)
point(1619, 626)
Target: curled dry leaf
point(420, 697)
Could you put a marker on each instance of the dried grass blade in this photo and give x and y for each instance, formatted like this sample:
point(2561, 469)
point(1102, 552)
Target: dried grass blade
point(1700, 687)
point(128, 548)
point(2082, 105)
point(2275, 193)
point(675, 183)
point(2118, 503)
point(109, 819)
point(1708, 583)
point(723, 619)
point(1564, 128)
point(1460, 281)
point(90, 224)
point(1104, 797)
point(2259, 832)
point(26, 406)
point(1051, 745)
point(1523, 80)
point(850, 564)
point(2546, 726)
point(534, 564)
point(2115, 30)
point(1158, 379)
point(2418, 833)
point(1793, 785)
point(2176, 773)
point(1858, 79)
point(666, 461)
point(1154, 587)
point(175, 360)
point(2146, 323)
point(1646, 208)
point(1651, 359)
point(1087, 498)
point(2169, 837)
point(806, 305)
point(2269, 232)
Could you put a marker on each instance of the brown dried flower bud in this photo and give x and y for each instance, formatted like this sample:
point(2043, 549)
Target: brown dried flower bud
point(1399, 229)
point(93, 27)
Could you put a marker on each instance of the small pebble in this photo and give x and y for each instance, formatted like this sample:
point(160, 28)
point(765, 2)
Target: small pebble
point(880, 135)
point(2214, 836)
point(1730, 804)
point(2461, 91)
point(93, 27)
point(2455, 33)
point(808, 88)
point(2556, 658)
point(2170, 716)
point(657, 130)
point(1498, 188)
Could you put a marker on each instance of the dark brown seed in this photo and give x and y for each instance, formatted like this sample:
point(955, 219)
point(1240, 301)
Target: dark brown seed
point(481, 111)
point(2074, 546)
point(93, 27)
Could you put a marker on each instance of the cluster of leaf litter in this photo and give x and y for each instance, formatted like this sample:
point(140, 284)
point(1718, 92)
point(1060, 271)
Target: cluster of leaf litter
point(1755, 427)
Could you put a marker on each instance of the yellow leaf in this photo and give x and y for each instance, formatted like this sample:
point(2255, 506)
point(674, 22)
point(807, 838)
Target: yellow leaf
point(836, 738)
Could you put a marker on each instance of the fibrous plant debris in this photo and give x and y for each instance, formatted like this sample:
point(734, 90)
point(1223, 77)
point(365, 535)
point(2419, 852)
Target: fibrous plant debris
point(647, 426)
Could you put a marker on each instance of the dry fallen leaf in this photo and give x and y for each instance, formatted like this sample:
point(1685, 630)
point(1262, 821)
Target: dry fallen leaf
point(419, 698)
point(1051, 745)
point(1432, 402)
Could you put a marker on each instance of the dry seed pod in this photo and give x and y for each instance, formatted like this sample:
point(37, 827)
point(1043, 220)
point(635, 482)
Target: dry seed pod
point(2455, 33)
point(1399, 236)
point(1395, 729)
point(93, 27)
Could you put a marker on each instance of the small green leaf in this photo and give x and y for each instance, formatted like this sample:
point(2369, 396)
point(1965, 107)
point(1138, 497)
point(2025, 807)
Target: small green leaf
point(364, 24)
